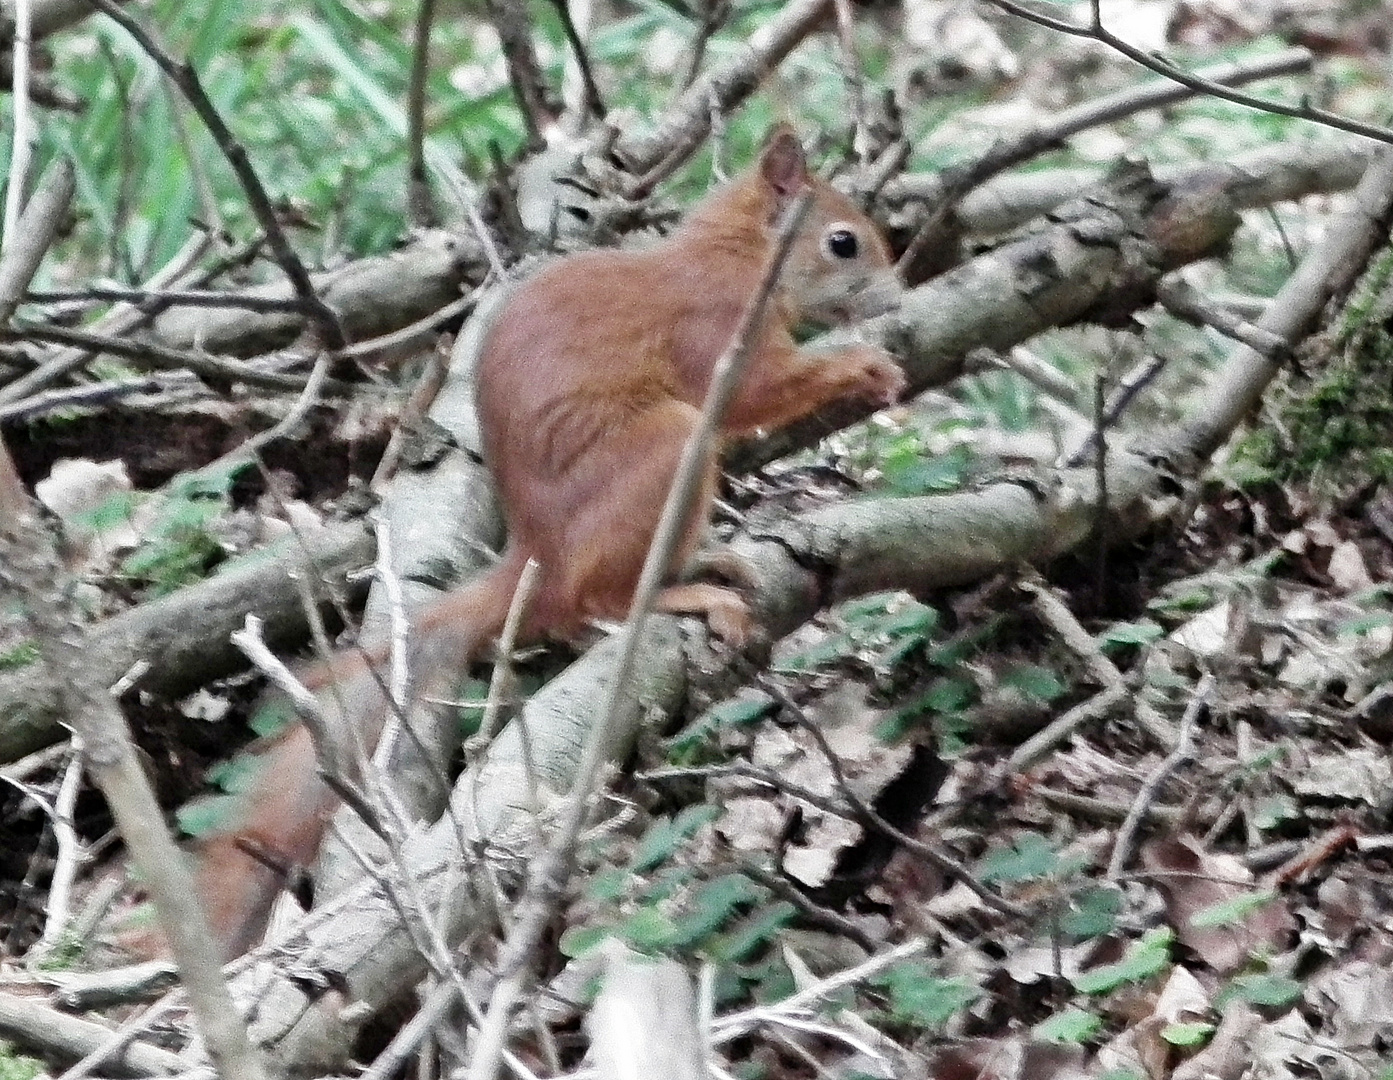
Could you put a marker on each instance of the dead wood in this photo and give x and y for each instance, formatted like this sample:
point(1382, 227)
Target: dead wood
point(372, 297)
point(183, 637)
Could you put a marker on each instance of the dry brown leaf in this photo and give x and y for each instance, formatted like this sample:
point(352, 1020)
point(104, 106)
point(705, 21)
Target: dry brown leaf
point(1193, 881)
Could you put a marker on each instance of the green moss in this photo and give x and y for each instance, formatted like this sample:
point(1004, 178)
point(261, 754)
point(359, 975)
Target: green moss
point(1336, 427)
point(16, 1066)
point(21, 654)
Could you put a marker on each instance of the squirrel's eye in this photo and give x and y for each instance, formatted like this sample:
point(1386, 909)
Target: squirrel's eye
point(842, 243)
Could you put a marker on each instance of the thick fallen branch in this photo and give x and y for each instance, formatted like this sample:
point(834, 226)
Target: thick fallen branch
point(1099, 259)
point(372, 297)
point(924, 254)
point(36, 1025)
point(181, 640)
point(1270, 174)
point(921, 543)
point(442, 517)
point(382, 293)
point(360, 935)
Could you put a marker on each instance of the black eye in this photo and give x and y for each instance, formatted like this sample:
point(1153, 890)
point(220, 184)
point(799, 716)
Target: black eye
point(842, 244)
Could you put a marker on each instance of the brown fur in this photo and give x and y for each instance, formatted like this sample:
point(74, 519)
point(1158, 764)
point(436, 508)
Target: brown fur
point(589, 384)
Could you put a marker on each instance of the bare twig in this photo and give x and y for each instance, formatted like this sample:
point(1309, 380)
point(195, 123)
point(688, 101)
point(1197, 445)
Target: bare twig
point(741, 1023)
point(166, 298)
point(1182, 753)
point(501, 683)
point(1184, 301)
point(1325, 271)
point(118, 320)
point(1063, 728)
point(1106, 413)
point(18, 264)
point(954, 182)
point(121, 1038)
point(253, 645)
point(117, 771)
point(423, 395)
point(1103, 810)
point(217, 368)
point(852, 77)
point(411, 337)
point(418, 201)
point(21, 145)
point(32, 235)
point(1055, 614)
point(714, 13)
point(70, 855)
point(813, 914)
point(186, 79)
point(35, 1023)
point(1195, 81)
point(592, 104)
point(550, 871)
point(78, 397)
point(686, 124)
point(510, 19)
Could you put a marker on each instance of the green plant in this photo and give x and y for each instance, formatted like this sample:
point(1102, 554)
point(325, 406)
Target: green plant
point(919, 998)
point(1143, 959)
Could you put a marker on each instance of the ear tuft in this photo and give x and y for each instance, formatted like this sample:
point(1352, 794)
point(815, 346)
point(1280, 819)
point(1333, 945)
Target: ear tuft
point(782, 163)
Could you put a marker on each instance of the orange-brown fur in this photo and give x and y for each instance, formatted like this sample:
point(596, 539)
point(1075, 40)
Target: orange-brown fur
point(589, 384)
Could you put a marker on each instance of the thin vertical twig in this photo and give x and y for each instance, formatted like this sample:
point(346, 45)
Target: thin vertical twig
point(70, 854)
point(21, 146)
point(550, 870)
point(502, 682)
point(418, 201)
point(714, 13)
point(509, 18)
point(592, 104)
point(853, 77)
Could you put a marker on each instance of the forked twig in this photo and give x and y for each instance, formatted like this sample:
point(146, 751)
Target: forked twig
point(1183, 752)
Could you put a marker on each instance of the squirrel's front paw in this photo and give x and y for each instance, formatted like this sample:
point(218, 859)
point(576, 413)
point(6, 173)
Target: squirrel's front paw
point(877, 378)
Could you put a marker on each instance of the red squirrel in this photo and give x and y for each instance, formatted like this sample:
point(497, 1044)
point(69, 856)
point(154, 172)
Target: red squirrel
point(589, 383)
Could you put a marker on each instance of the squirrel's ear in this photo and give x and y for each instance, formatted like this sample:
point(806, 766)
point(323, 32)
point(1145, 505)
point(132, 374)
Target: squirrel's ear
point(782, 163)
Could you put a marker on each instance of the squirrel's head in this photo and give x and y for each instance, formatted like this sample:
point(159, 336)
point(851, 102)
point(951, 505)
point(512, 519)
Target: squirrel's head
point(840, 269)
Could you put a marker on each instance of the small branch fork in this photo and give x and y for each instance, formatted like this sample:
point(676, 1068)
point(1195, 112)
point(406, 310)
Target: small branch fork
point(1183, 752)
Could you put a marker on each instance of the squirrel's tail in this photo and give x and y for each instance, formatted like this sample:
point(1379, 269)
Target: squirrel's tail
point(276, 835)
